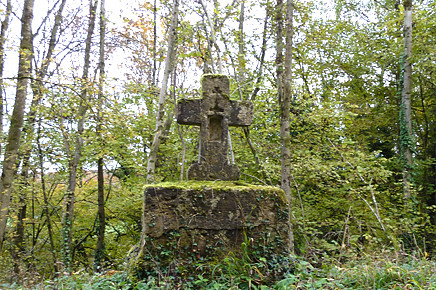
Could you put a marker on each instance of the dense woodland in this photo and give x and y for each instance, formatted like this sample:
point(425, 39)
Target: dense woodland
point(344, 94)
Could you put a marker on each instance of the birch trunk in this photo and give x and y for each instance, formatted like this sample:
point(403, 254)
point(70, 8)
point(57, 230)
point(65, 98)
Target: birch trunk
point(241, 53)
point(213, 38)
point(284, 79)
point(406, 109)
point(160, 116)
point(153, 81)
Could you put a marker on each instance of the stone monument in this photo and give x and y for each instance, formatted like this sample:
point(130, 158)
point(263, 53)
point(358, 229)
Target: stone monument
point(214, 113)
point(208, 217)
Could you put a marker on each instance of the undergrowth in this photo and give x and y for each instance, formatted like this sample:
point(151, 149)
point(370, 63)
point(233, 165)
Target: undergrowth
point(386, 270)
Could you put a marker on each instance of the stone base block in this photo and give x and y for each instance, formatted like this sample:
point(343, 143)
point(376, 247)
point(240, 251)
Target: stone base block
point(206, 220)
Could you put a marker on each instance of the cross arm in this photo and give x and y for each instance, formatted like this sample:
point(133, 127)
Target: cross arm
point(188, 112)
point(241, 113)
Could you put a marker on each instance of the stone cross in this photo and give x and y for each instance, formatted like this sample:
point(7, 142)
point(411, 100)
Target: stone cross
point(214, 113)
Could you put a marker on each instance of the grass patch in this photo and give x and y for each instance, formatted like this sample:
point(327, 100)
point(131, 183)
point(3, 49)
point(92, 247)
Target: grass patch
point(383, 271)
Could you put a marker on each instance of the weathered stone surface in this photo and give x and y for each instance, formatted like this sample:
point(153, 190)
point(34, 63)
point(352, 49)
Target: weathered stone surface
point(210, 208)
point(214, 113)
point(210, 219)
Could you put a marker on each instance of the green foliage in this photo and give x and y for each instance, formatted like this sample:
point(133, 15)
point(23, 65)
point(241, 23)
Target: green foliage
point(345, 133)
point(386, 269)
point(254, 266)
point(122, 230)
point(367, 273)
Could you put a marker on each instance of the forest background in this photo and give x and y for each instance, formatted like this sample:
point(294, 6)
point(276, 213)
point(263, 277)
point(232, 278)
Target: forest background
point(345, 109)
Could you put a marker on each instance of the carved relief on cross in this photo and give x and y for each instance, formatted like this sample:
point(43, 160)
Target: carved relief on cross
point(214, 113)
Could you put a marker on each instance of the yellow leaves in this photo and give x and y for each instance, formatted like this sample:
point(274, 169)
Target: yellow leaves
point(147, 5)
point(144, 26)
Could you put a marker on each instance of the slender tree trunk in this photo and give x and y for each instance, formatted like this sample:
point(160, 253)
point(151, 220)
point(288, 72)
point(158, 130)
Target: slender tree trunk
point(154, 43)
point(160, 115)
point(101, 222)
point(213, 37)
point(73, 163)
point(241, 53)
point(45, 210)
point(25, 150)
point(284, 79)
point(13, 141)
point(406, 137)
point(101, 219)
point(4, 29)
point(37, 85)
point(279, 49)
point(240, 76)
point(262, 54)
point(432, 174)
point(182, 167)
point(255, 91)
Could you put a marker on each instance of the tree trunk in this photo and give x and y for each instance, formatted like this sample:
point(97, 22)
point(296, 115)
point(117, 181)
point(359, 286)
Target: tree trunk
point(431, 180)
point(213, 38)
point(73, 163)
point(153, 81)
point(37, 85)
point(182, 139)
point(284, 79)
point(169, 64)
point(4, 29)
point(101, 221)
point(262, 54)
point(406, 137)
point(285, 128)
point(254, 94)
point(241, 53)
point(45, 210)
point(25, 150)
point(13, 140)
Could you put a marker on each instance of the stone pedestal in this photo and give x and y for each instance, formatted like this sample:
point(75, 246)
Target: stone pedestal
point(187, 222)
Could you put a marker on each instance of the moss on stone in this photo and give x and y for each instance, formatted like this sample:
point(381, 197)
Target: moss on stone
point(212, 76)
point(219, 185)
point(216, 185)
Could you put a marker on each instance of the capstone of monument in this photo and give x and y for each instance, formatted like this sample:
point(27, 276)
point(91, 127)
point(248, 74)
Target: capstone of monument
point(212, 214)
